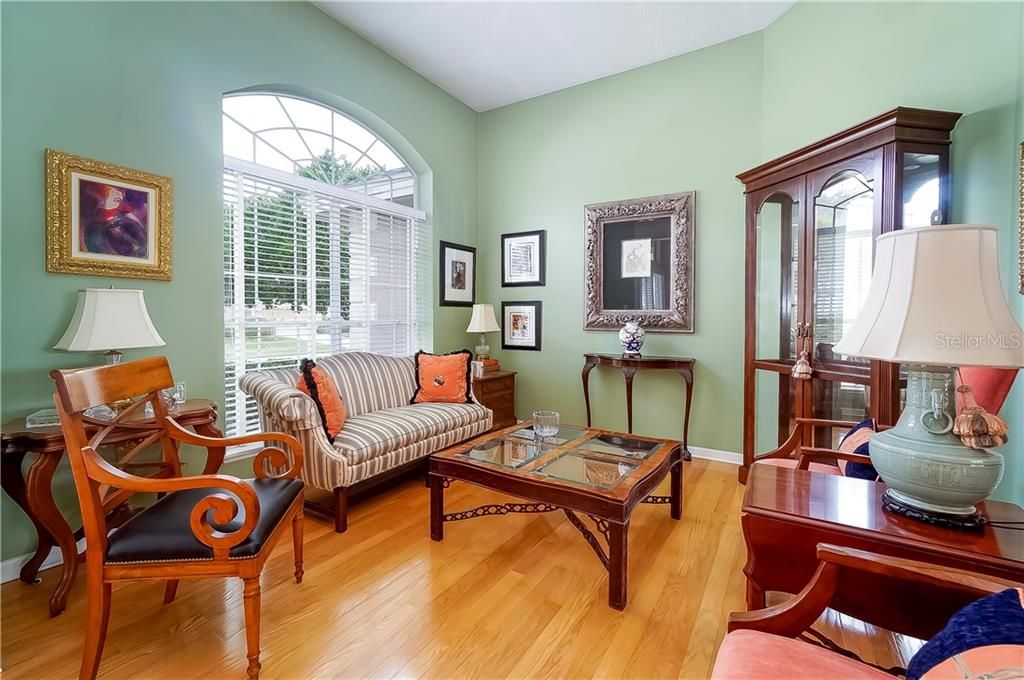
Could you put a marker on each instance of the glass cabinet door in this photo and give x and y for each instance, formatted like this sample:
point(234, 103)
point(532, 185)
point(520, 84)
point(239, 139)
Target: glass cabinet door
point(922, 189)
point(778, 265)
point(844, 231)
point(774, 410)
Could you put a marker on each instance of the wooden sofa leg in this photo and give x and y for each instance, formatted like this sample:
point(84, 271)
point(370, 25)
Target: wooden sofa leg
point(341, 509)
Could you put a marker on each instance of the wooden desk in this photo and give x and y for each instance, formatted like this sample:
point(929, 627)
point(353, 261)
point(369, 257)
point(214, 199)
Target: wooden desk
point(630, 365)
point(787, 512)
point(34, 494)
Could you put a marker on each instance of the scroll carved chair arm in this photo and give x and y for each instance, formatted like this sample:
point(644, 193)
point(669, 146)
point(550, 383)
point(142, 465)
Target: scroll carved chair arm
point(796, 615)
point(269, 457)
point(224, 508)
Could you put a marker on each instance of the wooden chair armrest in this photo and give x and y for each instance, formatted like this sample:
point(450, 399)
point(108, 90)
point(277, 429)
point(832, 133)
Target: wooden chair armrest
point(796, 615)
point(267, 458)
point(224, 508)
point(810, 453)
point(821, 422)
point(784, 451)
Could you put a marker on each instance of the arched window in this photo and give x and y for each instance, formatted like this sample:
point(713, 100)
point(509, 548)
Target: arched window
point(323, 249)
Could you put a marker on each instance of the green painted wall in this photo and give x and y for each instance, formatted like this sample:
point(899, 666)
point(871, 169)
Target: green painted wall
point(962, 57)
point(692, 123)
point(687, 123)
point(140, 84)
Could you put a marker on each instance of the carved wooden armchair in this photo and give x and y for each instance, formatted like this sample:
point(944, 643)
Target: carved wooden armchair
point(761, 643)
point(203, 525)
point(793, 452)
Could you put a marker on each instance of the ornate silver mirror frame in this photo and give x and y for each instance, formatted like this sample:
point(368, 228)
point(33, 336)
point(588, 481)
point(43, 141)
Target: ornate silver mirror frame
point(678, 318)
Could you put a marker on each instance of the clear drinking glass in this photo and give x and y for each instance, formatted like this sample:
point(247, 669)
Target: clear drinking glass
point(545, 424)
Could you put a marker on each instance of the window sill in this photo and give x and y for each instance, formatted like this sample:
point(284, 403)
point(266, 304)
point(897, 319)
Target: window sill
point(243, 452)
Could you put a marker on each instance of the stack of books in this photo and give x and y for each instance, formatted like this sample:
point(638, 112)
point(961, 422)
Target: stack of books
point(481, 367)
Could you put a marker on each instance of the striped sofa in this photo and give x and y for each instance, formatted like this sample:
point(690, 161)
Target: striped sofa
point(382, 433)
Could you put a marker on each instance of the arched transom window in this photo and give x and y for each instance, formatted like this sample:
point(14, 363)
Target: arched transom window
point(324, 250)
point(311, 140)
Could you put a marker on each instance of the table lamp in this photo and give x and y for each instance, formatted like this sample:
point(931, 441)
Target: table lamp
point(109, 320)
point(935, 303)
point(482, 322)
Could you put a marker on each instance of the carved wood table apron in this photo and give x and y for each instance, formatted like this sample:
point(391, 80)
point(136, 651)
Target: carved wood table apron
point(787, 512)
point(33, 491)
point(580, 471)
point(630, 365)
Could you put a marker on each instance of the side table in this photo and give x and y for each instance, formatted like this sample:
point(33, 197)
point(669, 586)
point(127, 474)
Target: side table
point(34, 494)
point(788, 512)
point(497, 391)
point(630, 365)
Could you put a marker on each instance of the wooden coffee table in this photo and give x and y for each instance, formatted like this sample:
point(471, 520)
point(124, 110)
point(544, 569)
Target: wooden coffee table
point(598, 473)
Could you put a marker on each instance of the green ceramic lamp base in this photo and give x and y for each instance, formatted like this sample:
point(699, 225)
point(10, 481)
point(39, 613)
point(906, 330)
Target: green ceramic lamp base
point(927, 467)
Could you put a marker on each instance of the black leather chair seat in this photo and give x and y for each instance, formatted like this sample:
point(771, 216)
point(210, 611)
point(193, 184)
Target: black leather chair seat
point(161, 532)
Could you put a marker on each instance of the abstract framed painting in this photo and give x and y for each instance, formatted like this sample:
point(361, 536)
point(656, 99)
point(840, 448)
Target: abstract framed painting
point(107, 220)
point(458, 275)
point(523, 258)
point(521, 325)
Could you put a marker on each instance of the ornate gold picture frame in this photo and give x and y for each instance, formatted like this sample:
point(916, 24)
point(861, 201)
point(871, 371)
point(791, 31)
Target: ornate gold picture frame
point(107, 220)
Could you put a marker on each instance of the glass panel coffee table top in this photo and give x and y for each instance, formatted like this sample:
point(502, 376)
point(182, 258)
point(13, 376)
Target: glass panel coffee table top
point(564, 434)
point(587, 470)
point(619, 445)
point(512, 452)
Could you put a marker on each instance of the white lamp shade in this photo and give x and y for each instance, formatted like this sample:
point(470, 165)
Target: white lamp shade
point(483, 320)
point(935, 298)
point(109, 319)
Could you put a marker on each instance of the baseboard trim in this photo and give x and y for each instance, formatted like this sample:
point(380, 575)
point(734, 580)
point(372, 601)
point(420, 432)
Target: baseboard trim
point(731, 457)
point(10, 569)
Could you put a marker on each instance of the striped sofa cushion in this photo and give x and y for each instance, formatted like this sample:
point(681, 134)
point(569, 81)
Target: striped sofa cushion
point(370, 435)
point(371, 382)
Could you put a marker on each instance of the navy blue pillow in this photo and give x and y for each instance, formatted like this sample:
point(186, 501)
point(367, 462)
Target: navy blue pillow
point(970, 637)
point(856, 441)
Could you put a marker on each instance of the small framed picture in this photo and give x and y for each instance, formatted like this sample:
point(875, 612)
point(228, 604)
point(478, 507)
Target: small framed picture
point(521, 325)
point(106, 220)
point(636, 258)
point(522, 258)
point(458, 275)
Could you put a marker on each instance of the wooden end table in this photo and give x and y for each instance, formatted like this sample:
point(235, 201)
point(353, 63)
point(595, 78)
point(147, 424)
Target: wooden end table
point(787, 512)
point(497, 391)
point(34, 494)
point(630, 365)
point(599, 473)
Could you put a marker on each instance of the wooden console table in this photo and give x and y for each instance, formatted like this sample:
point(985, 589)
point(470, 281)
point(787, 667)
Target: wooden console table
point(788, 512)
point(629, 366)
point(34, 494)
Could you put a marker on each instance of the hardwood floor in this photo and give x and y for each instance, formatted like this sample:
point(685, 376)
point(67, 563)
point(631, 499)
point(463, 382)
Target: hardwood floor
point(517, 596)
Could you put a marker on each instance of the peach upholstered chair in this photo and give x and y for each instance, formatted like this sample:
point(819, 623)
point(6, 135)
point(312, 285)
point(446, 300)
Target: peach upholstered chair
point(761, 644)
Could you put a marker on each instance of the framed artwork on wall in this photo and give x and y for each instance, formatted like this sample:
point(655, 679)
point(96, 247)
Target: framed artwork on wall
point(521, 325)
point(107, 220)
point(458, 275)
point(523, 258)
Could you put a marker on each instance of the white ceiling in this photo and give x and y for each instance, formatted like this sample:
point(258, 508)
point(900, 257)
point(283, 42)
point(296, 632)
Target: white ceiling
point(489, 54)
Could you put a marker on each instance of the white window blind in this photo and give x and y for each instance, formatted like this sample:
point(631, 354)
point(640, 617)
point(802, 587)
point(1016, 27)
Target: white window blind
point(311, 269)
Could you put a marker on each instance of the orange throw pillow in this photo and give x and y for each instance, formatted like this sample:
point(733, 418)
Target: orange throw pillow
point(442, 378)
point(320, 386)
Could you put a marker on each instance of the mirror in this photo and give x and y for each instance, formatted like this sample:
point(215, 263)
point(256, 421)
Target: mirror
point(639, 263)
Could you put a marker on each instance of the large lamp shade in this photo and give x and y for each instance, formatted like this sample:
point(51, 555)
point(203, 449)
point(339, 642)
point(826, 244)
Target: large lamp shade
point(935, 298)
point(109, 319)
point(483, 320)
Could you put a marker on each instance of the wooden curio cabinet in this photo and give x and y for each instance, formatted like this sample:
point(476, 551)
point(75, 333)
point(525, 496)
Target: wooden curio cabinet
point(811, 220)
